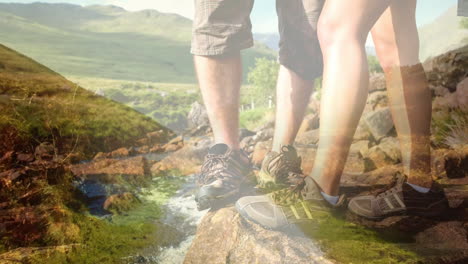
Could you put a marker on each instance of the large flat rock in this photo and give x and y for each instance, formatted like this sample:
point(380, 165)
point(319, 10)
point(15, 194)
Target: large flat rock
point(224, 237)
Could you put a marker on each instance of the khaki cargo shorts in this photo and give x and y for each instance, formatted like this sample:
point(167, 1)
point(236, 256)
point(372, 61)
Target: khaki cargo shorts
point(223, 26)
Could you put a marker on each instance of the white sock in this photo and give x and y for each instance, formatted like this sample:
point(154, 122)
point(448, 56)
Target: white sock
point(331, 199)
point(419, 188)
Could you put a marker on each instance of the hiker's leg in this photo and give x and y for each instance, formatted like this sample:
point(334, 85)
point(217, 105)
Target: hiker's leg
point(301, 62)
point(292, 97)
point(396, 39)
point(221, 29)
point(220, 80)
point(343, 28)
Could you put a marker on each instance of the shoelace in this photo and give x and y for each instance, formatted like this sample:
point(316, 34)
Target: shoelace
point(388, 189)
point(288, 162)
point(212, 168)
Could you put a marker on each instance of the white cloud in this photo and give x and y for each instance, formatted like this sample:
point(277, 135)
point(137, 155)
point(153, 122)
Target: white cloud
point(181, 7)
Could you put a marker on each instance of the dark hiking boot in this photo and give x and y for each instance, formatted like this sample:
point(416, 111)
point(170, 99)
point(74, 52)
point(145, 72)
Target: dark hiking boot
point(277, 166)
point(399, 198)
point(222, 174)
point(301, 202)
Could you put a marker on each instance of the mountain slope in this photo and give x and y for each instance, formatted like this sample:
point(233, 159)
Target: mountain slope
point(105, 41)
point(38, 105)
point(442, 35)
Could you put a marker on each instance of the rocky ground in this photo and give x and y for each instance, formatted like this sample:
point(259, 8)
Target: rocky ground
point(224, 237)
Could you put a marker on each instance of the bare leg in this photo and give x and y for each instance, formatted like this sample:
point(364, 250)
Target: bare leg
point(292, 96)
point(220, 80)
point(396, 38)
point(343, 28)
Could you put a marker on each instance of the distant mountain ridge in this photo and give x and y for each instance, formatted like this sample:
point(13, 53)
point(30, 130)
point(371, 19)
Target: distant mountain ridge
point(106, 41)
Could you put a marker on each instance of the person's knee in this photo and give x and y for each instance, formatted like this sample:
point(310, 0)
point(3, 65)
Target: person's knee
point(332, 32)
point(387, 51)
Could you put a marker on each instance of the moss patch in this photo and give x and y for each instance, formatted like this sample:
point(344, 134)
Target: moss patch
point(350, 243)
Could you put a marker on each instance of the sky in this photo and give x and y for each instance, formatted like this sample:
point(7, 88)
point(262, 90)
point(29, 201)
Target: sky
point(263, 16)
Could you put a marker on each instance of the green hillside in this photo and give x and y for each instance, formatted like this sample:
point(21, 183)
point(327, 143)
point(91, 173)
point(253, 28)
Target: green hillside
point(105, 41)
point(442, 35)
point(38, 105)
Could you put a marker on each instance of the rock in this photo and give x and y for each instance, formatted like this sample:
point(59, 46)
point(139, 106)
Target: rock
point(378, 99)
point(7, 158)
point(462, 93)
point(360, 147)
point(379, 177)
point(309, 138)
point(310, 122)
point(260, 151)
point(377, 83)
point(157, 148)
point(119, 153)
point(24, 157)
point(267, 125)
point(307, 155)
point(197, 116)
point(450, 163)
point(354, 164)
point(445, 235)
point(264, 135)
point(186, 160)
point(119, 203)
point(224, 237)
point(379, 123)
point(103, 170)
point(175, 144)
point(243, 133)
point(391, 147)
point(362, 132)
point(45, 151)
point(378, 157)
point(100, 156)
point(156, 137)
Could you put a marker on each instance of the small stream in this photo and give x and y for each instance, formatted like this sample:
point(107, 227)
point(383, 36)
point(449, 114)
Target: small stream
point(182, 214)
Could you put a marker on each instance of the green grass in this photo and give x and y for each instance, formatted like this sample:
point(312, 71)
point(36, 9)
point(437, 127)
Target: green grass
point(73, 40)
point(252, 119)
point(41, 105)
point(347, 242)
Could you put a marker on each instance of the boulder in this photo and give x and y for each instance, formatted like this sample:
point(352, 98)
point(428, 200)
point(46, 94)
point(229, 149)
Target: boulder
point(377, 82)
point(354, 164)
point(451, 164)
point(378, 157)
point(197, 116)
point(362, 132)
point(224, 237)
point(445, 235)
point(260, 151)
point(120, 153)
point(377, 100)
point(106, 168)
point(308, 138)
point(186, 160)
point(360, 147)
point(308, 157)
point(379, 123)
point(391, 147)
point(156, 137)
point(310, 122)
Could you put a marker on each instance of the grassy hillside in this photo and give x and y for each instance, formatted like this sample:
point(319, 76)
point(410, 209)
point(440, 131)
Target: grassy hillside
point(37, 105)
point(105, 41)
point(442, 35)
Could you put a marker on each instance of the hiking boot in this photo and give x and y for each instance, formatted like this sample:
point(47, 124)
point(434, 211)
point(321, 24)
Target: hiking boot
point(277, 166)
point(399, 198)
point(301, 202)
point(222, 174)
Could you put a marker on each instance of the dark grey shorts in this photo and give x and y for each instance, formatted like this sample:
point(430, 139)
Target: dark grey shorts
point(223, 26)
point(463, 8)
